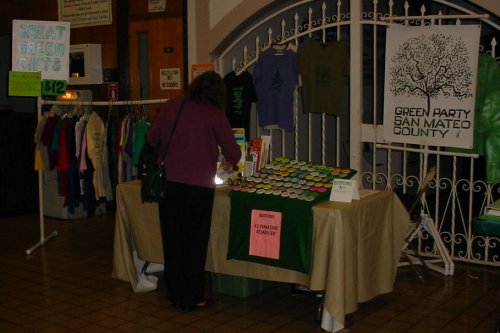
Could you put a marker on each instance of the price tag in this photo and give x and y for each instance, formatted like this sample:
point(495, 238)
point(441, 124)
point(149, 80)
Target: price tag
point(53, 87)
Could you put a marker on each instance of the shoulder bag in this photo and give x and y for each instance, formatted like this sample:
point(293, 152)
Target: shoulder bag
point(152, 170)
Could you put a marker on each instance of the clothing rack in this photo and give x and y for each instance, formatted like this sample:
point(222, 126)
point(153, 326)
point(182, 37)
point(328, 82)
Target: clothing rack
point(40, 102)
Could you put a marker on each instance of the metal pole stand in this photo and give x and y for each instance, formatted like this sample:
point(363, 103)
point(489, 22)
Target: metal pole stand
point(43, 239)
point(427, 224)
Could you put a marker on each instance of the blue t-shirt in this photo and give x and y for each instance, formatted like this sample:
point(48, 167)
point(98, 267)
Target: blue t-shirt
point(275, 79)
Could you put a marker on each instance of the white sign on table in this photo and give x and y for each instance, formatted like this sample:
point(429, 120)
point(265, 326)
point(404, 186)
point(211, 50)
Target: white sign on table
point(344, 190)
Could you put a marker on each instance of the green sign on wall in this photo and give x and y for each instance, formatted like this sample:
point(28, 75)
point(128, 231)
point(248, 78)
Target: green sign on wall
point(25, 83)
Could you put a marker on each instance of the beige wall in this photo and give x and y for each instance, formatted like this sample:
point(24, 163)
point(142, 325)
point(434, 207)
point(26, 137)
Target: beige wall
point(491, 5)
point(220, 8)
point(206, 33)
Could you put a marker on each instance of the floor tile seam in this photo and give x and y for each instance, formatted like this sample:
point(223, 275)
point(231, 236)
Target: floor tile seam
point(442, 327)
point(212, 328)
point(478, 301)
point(495, 315)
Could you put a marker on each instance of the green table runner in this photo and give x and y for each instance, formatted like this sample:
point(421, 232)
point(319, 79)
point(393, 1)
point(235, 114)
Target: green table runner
point(296, 229)
point(297, 216)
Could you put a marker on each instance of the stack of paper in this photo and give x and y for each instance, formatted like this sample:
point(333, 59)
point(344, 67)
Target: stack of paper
point(493, 209)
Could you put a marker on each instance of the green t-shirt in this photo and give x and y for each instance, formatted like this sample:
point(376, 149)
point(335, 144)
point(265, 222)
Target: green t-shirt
point(322, 68)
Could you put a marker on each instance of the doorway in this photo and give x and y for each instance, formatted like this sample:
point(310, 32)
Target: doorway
point(155, 45)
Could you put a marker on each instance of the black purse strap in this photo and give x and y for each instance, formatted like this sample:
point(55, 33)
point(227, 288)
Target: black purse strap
point(163, 154)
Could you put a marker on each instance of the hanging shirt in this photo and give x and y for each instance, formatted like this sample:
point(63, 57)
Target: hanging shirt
point(79, 127)
point(111, 139)
point(63, 146)
point(82, 160)
point(240, 95)
point(140, 131)
point(95, 149)
point(40, 164)
point(322, 68)
point(47, 138)
point(275, 80)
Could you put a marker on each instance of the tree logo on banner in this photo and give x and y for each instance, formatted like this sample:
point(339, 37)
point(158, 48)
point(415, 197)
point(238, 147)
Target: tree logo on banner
point(430, 65)
point(430, 80)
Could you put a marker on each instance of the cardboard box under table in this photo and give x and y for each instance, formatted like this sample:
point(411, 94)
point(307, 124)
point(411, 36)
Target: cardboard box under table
point(237, 285)
point(354, 256)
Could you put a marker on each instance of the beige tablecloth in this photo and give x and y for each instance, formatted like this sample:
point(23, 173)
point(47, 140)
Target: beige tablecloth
point(356, 248)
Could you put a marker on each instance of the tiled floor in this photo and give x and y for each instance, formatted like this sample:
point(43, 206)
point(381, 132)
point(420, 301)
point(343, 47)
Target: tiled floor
point(66, 286)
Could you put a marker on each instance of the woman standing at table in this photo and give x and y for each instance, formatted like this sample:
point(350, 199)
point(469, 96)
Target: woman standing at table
point(190, 164)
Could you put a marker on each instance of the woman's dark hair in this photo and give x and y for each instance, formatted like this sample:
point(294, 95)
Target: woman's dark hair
point(208, 87)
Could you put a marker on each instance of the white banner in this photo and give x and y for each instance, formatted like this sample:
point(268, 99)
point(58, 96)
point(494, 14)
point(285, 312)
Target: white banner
point(41, 46)
point(430, 84)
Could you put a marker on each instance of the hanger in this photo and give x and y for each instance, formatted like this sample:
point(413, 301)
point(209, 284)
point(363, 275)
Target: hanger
point(143, 114)
point(86, 114)
point(75, 110)
point(54, 110)
point(280, 46)
point(110, 109)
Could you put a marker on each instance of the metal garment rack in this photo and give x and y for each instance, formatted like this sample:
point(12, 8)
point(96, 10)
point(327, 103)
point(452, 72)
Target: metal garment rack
point(43, 240)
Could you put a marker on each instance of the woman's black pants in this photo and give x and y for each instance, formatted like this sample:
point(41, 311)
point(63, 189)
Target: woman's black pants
point(185, 219)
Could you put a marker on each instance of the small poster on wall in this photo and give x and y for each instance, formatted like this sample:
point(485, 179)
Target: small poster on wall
point(430, 84)
point(24, 84)
point(170, 78)
point(197, 69)
point(41, 46)
point(85, 13)
point(156, 5)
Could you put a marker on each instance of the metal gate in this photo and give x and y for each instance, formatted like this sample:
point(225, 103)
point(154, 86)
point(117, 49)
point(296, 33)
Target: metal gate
point(354, 138)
